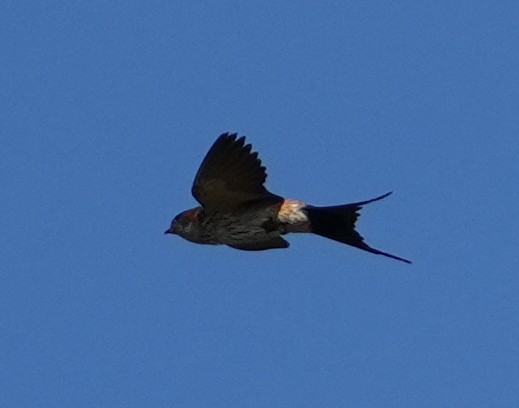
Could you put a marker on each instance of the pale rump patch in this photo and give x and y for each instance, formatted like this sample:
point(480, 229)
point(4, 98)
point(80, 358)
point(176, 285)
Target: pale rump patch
point(292, 214)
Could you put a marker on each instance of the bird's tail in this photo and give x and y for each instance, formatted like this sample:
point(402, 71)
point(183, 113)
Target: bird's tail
point(338, 223)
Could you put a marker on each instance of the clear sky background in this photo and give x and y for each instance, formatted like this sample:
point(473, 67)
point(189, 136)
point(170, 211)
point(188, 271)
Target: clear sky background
point(107, 109)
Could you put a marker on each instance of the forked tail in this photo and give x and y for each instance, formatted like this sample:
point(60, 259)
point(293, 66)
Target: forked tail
point(338, 223)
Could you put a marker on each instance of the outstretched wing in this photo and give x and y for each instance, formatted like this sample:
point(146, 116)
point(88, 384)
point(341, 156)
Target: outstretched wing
point(230, 175)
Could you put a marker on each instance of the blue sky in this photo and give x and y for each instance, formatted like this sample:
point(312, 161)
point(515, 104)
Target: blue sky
point(108, 109)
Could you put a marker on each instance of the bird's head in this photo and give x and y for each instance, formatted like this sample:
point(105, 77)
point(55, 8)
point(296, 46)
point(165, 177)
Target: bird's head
point(185, 223)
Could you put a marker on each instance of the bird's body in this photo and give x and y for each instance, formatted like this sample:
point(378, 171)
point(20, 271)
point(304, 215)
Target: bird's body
point(254, 225)
point(238, 211)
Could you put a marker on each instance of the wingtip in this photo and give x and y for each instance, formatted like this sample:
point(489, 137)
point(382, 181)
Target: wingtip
point(229, 137)
point(240, 141)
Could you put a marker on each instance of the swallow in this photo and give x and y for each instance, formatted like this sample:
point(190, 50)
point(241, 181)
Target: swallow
point(237, 210)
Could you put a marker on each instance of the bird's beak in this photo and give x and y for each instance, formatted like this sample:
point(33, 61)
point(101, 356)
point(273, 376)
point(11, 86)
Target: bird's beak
point(168, 231)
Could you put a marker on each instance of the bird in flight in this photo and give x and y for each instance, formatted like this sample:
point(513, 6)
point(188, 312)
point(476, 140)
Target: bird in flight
point(237, 210)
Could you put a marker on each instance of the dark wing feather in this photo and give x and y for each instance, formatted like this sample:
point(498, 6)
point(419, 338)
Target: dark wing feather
point(270, 243)
point(230, 175)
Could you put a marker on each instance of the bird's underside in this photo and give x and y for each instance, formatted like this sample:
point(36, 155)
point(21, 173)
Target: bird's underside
point(237, 210)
